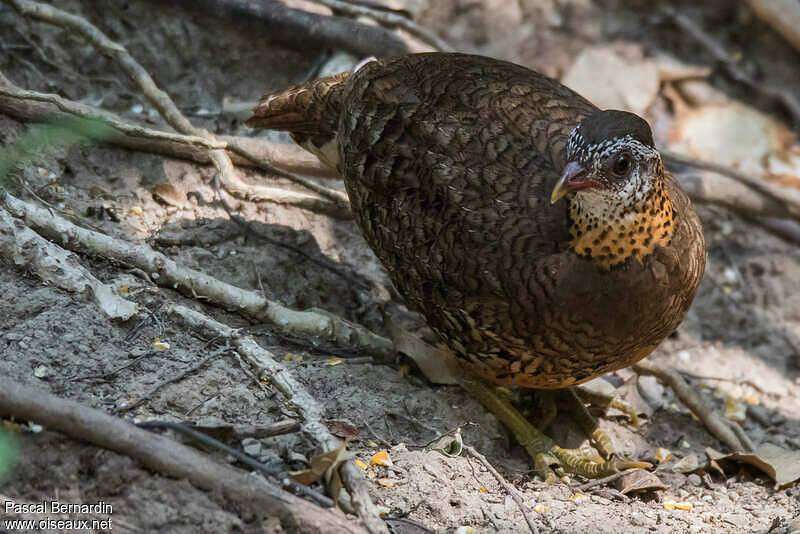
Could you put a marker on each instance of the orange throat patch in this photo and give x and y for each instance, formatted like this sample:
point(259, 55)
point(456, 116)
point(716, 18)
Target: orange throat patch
point(615, 236)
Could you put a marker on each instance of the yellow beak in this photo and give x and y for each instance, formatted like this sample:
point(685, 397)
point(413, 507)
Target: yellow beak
point(559, 190)
point(572, 179)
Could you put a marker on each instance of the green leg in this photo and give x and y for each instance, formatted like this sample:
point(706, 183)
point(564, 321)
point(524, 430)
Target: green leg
point(544, 451)
point(609, 401)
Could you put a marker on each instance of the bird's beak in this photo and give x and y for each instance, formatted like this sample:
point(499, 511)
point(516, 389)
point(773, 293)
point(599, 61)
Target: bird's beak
point(572, 179)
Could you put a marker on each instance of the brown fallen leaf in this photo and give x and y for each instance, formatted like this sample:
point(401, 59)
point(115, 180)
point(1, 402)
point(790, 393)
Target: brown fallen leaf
point(639, 481)
point(781, 465)
point(343, 429)
point(737, 136)
point(325, 465)
point(686, 464)
point(438, 365)
point(166, 193)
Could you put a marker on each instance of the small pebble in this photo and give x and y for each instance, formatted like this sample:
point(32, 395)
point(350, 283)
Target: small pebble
point(694, 479)
point(600, 500)
point(251, 447)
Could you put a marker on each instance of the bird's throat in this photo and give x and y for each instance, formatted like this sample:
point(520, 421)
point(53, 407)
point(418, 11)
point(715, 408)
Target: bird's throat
point(618, 234)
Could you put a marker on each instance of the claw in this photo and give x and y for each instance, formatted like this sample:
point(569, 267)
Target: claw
point(626, 408)
point(589, 462)
point(579, 462)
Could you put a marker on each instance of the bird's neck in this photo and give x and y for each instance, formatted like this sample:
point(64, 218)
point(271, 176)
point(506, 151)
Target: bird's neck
point(619, 232)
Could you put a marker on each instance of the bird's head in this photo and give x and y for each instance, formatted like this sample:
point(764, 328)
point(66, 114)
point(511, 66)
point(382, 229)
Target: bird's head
point(611, 162)
point(614, 180)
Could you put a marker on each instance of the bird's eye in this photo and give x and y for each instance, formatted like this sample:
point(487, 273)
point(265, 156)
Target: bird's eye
point(621, 165)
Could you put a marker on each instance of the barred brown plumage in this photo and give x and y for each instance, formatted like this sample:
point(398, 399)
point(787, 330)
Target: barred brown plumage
point(451, 162)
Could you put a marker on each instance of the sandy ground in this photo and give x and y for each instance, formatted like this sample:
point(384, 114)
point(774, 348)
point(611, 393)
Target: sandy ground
point(744, 327)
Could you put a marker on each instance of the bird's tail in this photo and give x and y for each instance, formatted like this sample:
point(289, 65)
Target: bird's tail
point(309, 112)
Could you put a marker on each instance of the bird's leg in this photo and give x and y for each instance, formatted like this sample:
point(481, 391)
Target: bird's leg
point(544, 451)
point(548, 408)
point(572, 402)
point(595, 398)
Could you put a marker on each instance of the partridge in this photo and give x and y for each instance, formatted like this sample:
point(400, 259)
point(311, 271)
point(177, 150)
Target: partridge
point(540, 237)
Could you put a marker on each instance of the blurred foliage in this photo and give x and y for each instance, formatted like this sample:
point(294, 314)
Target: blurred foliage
point(9, 450)
point(45, 137)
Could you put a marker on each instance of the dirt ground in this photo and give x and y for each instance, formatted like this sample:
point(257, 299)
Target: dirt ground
point(744, 327)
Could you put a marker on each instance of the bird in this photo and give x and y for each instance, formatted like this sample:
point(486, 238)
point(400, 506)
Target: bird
point(540, 237)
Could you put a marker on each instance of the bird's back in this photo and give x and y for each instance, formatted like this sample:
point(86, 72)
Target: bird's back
point(449, 161)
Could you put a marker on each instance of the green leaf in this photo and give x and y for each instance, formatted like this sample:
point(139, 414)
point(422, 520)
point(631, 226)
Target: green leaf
point(45, 137)
point(9, 451)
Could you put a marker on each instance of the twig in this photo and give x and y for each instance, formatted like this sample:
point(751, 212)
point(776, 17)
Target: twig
point(133, 333)
point(722, 379)
point(775, 201)
point(511, 490)
point(246, 370)
point(15, 102)
point(287, 24)
point(158, 98)
point(334, 196)
point(267, 367)
point(115, 371)
point(27, 249)
point(9, 90)
point(390, 19)
point(716, 424)
point(605, 480)
point(786, 98)
point(376, 435)
point(205, 439)
point(168, 457)
point(166, 272)
point(784, 228)
point(783, 15)
point(180, 376)
point(239, 432)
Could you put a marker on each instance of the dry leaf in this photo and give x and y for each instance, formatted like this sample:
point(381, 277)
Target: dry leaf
point(437, 365)
point(343, 429)
point(325, 465)
point(305, 477)
point(167, 193)
point(781, 465)
point(613, 82)
point(686, 465)
point(450, 445)
point(638, 481)
point(737, 136)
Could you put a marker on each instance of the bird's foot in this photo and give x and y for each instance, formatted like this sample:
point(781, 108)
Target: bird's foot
point(545, 452)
